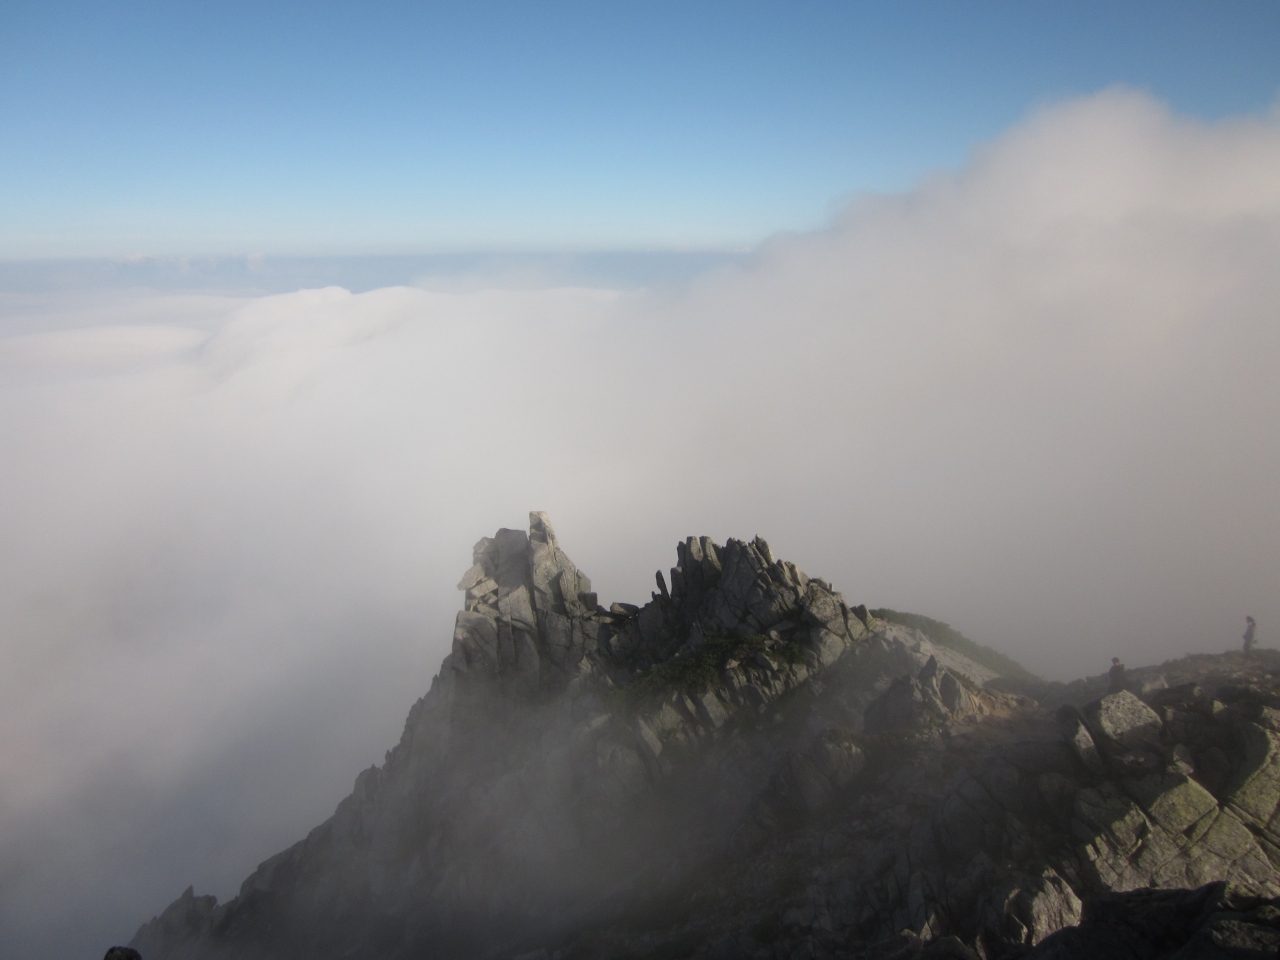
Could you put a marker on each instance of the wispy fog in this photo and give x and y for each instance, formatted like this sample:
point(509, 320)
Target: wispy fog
point(1037, 398)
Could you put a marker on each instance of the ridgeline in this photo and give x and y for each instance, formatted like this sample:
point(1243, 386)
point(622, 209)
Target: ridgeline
point(749, 767)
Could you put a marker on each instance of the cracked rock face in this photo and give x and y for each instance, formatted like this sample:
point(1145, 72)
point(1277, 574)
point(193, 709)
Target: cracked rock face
point(746, 766)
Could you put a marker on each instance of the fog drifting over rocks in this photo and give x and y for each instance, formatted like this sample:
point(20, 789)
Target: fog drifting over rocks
point(1036, 398)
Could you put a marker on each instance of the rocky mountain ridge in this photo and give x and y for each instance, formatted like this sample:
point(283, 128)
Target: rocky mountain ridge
point(747, 766)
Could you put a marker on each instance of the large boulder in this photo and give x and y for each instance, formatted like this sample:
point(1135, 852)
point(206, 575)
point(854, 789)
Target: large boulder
point(1124, 722)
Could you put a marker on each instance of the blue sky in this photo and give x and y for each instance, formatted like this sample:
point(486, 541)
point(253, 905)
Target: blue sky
point(337, 128)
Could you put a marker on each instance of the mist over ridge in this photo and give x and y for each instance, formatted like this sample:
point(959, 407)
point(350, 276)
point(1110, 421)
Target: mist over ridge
point(1035, 398)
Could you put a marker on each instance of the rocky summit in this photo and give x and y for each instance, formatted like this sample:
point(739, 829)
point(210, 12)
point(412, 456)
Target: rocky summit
point(747, 766)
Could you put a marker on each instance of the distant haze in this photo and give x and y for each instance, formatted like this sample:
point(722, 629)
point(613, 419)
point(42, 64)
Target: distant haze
point(1036, 398)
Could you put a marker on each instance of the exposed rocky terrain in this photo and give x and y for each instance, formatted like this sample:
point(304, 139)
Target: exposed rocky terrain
point(747, 766)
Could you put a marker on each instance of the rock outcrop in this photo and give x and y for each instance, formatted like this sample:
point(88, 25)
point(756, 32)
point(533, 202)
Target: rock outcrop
point(747, 766)
point(1216, 921)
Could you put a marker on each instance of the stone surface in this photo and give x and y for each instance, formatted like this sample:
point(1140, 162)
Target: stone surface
point(1123, 721)
point(934, 696)
point(746, 766)
point(1215, 921)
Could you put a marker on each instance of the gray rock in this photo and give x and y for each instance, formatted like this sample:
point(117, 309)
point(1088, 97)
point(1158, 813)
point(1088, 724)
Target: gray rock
point(1080, 740)
point(747, 766)
point(1215, 921)
point(1123, 722)
point(934, 696)
point(1172, 800)
point(901, 707)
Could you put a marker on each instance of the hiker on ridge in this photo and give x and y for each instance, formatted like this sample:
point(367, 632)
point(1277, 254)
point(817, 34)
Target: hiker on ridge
point(1250, 624)
point(1116, 674)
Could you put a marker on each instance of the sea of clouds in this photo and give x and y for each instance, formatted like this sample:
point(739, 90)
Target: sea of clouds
point(1036, 398)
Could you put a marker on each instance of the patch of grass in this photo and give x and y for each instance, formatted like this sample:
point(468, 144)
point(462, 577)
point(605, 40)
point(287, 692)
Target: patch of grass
point(946, 635)
point(788, 653)
point(697, 671)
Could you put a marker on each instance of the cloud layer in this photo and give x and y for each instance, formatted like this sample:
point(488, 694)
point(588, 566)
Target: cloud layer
point(1036, 398)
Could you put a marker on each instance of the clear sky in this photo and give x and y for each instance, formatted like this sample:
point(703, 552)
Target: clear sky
point(388, 127)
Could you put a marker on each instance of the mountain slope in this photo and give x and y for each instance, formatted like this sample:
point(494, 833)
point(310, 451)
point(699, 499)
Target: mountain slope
point(948, 636)
point(746, 766)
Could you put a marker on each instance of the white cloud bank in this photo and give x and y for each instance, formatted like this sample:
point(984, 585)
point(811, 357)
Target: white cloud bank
point(1038, 399)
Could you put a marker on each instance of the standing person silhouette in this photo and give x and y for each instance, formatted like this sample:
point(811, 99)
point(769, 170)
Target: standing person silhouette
point(1249, 625)
point(1116, 675)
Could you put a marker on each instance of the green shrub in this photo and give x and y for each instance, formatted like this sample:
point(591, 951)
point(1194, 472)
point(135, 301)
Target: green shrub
point(700, 669)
